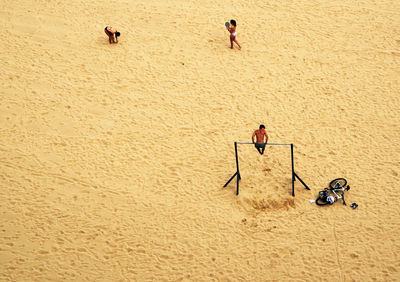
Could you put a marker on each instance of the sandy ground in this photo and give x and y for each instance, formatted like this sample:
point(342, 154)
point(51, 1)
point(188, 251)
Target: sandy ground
point(113, 157)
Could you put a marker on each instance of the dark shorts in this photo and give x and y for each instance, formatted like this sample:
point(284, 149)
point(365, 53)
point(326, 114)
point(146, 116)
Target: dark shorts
point(259, 145)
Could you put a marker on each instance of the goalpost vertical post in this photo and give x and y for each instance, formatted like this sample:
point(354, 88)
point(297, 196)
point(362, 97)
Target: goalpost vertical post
point(237, 173)
point(293, 177)
point(237, 170)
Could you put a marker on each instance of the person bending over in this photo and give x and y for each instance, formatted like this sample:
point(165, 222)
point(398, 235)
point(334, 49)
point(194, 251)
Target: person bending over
point(112, 33)
point(232, 31)
point(260, 133)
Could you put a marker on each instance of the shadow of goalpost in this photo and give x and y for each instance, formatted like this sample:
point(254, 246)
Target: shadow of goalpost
point(237, 173)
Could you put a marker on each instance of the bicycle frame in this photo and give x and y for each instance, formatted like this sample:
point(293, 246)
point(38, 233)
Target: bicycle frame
point(338, 197)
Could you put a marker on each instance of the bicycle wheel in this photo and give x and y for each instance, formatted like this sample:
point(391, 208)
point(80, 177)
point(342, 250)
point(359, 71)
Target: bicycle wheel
point(319, 202)
point(336, 182)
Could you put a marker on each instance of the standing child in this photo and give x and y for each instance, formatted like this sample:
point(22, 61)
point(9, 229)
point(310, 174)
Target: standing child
point(232, 31)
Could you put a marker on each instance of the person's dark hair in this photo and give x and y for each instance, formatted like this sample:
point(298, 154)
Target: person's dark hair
point(233, 22)
point(117, 34)
point(262, 126)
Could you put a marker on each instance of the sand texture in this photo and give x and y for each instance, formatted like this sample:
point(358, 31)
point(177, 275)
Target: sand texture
point(113, 157)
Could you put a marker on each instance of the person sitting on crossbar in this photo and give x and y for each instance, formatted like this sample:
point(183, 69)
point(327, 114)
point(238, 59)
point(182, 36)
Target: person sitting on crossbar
point(260, 133)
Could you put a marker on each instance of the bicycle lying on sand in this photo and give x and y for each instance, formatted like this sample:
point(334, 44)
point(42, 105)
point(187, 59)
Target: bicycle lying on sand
point(337, 188)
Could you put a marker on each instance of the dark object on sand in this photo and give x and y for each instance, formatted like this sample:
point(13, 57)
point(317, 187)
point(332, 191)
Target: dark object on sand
point(337, 188)
point(353, 206)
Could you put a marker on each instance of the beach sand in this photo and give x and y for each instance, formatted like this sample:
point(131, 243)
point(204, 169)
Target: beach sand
point(113, 157)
